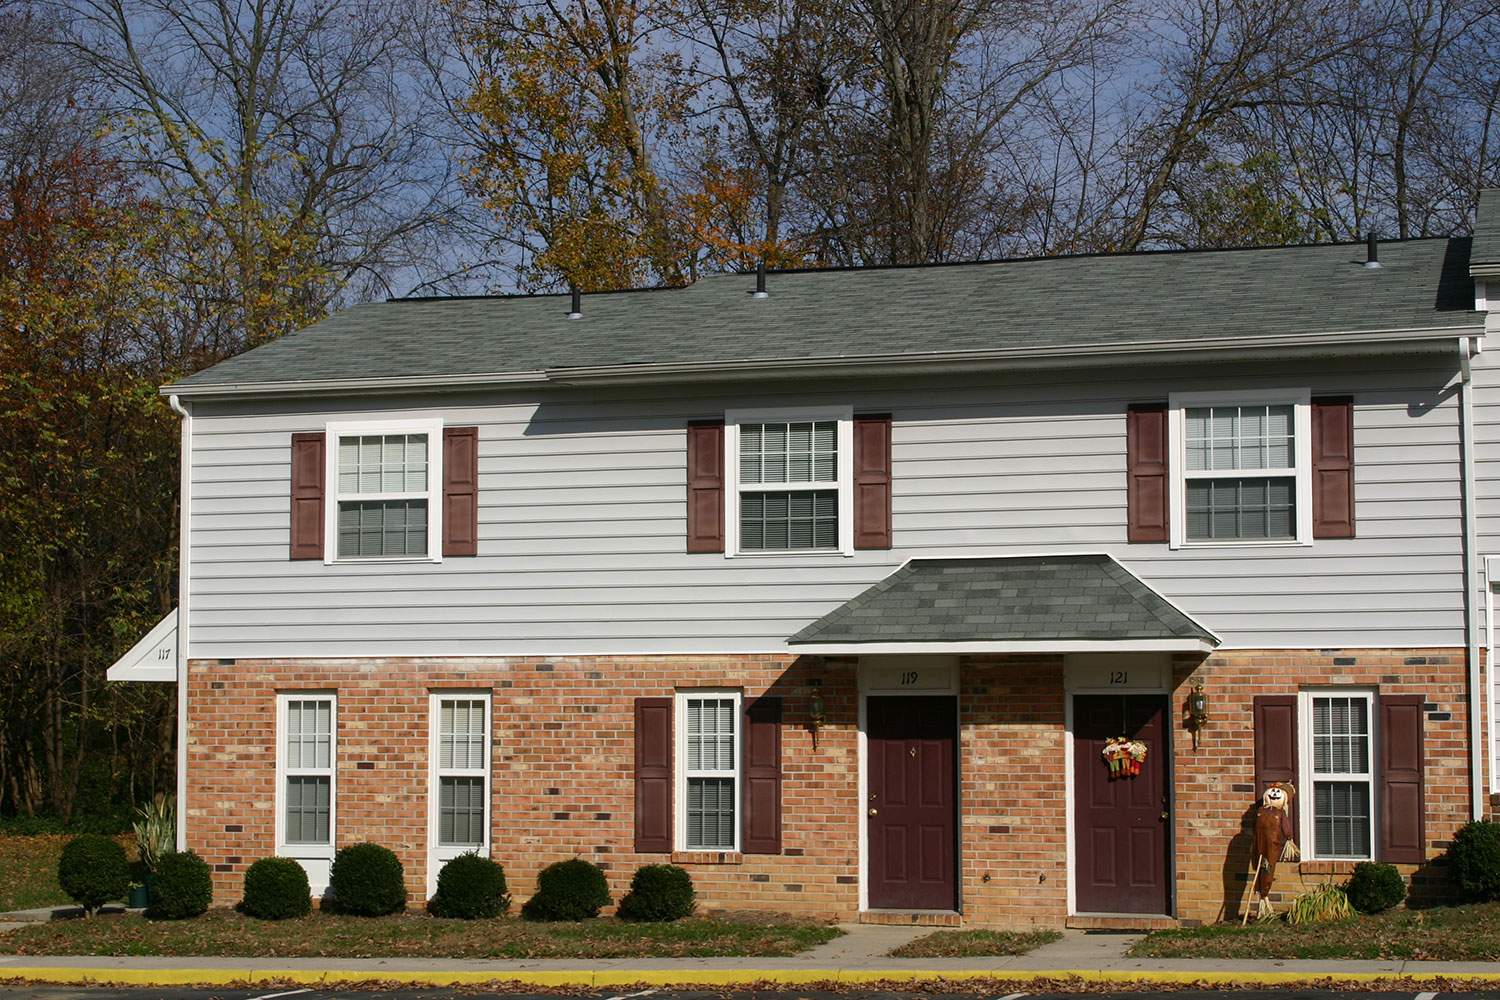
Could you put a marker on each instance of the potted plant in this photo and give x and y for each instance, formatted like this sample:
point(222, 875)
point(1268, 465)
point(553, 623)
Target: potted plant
point(155, 835)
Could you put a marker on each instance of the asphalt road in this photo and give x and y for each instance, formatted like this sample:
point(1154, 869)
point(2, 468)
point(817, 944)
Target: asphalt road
point(446, 993)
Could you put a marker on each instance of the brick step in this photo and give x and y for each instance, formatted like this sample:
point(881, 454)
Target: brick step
point(1121, 922)
point(919, 918)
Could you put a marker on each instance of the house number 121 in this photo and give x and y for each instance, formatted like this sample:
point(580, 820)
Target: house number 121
point(1119, 677)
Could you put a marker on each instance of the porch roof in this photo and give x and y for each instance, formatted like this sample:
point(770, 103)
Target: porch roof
point(1066, 603)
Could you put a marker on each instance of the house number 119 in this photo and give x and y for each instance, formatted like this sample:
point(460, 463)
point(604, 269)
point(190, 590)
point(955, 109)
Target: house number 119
point(908, 678)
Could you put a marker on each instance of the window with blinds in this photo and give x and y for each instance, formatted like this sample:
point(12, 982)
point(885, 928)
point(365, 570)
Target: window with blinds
point(462, 770)
point(1343, 776)
point(383, 485)
point(308, 768)
point(1224, 443)
point(789, 485)
point(710, 751)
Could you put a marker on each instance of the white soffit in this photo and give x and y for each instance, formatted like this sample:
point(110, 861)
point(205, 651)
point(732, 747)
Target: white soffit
point(154, 658)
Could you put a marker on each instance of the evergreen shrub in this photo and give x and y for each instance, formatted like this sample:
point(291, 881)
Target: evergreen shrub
point(568, 890)
point(1375, 887)
point(471, 888)
point(658, 893)
point(367, 880)
point(276, 889)
point(93, 870)
point(181, 886)
point(1474, 861)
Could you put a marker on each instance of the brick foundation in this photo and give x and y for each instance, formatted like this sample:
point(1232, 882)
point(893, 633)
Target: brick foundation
point(562, 778)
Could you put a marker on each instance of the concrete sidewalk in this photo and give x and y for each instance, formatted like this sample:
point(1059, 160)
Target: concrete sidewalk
point(861, 956)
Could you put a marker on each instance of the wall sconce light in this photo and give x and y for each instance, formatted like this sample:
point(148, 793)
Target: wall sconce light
point(1197, 707)
point(815, 713)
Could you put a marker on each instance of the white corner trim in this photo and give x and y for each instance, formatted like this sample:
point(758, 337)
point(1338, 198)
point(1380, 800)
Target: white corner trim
point(153, 659)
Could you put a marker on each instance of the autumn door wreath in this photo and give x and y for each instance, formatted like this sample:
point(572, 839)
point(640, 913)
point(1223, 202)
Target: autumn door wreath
point(1124, 756)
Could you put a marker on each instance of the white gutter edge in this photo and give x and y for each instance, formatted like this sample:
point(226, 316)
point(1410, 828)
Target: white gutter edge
point(1005, 646)
point(1196, 349)
point(1473, 595)
point(184, 512)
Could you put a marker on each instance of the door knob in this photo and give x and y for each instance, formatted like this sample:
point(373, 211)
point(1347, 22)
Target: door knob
point(1163, 815)
point(874, 812)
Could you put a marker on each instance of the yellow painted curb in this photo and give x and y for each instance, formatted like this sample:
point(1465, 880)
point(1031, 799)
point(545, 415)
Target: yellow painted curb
point(685, 977)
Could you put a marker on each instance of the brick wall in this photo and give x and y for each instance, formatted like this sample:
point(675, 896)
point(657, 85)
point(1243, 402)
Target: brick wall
point(562, 780)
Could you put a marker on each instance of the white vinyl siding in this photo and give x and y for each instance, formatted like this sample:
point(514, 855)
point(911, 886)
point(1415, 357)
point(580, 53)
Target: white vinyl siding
point(306, 785)
point(1340, 773)
point(708, 762)
point(582, 518)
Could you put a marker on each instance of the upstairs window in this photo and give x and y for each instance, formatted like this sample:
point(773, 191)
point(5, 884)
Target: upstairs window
point(385, 480)
point(1245, 464)
point(791, 481)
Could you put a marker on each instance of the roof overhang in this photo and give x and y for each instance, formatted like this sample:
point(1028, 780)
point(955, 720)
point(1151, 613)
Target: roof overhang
point(1301, 345)
point(1056, 603)
point(1188, 645)
point(153, 659)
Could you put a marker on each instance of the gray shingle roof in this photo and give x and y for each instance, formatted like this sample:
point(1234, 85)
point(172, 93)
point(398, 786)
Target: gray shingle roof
point(1051, 306)
point(1003, 599)
point(1486, 249)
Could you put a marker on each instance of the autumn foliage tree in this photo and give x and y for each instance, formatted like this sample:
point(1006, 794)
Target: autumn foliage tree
point(87, 471)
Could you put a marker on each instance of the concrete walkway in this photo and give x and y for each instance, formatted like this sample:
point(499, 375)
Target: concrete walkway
point(860, 956)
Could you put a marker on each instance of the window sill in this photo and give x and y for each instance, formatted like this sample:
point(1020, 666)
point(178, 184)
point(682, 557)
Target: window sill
point(707, 858)
point(1335, 866)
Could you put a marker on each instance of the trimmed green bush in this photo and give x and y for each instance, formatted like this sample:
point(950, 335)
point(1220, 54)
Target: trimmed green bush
point(568, 890)
point(1474, 861)
point(93, 870)
point(471, 888)
point(1375, 887)
point(181, 886)
point(658, 893)
point(367, 880)
point(276, 889)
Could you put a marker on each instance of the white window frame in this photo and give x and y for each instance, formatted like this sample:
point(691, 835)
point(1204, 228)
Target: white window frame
point(335, 430)
point(1301, 402)
point(437, 852)
point(306, 851)
point(844, 415)
point(682, 774)
point(1307, 777)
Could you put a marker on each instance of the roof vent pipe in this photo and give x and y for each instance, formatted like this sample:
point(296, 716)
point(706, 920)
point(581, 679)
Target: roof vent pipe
point(760, 281)
point(577, 311)
point(1372, 253)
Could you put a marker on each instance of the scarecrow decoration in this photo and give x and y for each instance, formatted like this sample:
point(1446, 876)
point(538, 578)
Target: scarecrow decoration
point(1273, 842)
point(1124, 756)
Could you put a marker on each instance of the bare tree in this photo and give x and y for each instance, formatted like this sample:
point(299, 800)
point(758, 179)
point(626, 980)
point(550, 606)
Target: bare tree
point(296, 134)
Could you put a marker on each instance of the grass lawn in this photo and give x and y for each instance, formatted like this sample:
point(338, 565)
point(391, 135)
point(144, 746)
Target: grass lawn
point(28, 870)
point(225, 932)
point(975, 943)
point(1457, 933)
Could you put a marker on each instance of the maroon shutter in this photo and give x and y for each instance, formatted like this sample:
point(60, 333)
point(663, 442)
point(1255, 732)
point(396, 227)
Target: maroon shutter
point(461, 491)
point(307, 496)
point(1276, 747)
point(1333, 467)
point(653, 775)
point(762, 775)
point(872, 482)
point(705, 475)
point(1146, 471)
point(1402, 835)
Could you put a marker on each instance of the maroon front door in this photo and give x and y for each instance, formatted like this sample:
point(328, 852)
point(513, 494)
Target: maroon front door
point(1121, 827)
point(913, 846)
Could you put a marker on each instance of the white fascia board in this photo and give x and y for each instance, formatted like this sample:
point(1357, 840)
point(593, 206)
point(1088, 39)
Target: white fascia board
point(1313, 344)
point(154, 658)
point(1188, 645)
